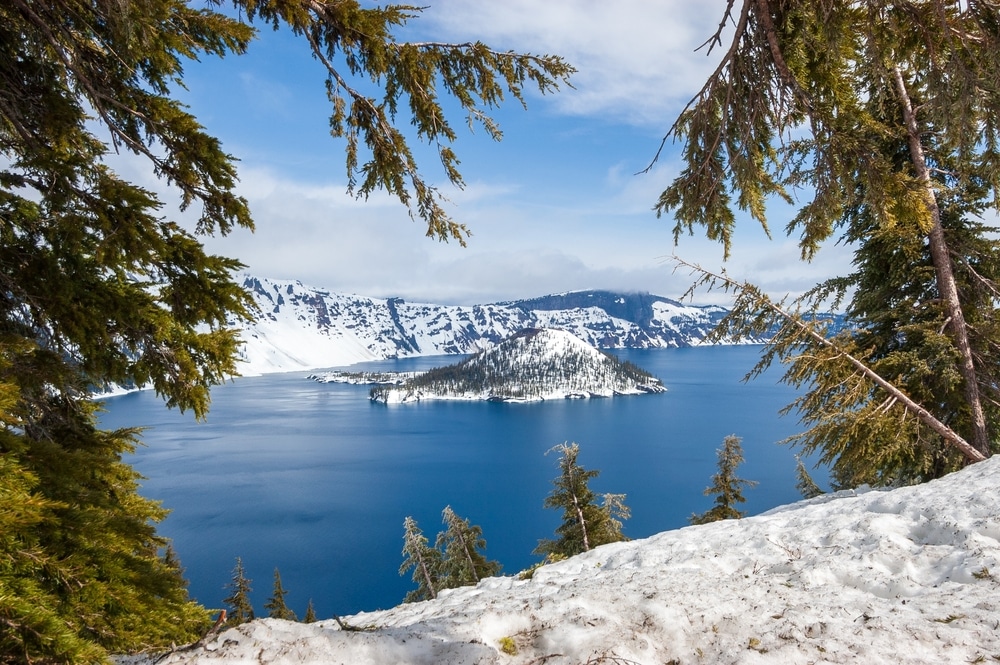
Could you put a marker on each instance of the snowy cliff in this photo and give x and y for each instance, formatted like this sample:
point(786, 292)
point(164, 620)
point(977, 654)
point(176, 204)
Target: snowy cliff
point(910, 575)
point(301, 327)
point(531, 365)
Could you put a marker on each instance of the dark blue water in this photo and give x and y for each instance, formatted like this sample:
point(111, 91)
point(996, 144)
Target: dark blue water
point(315, 480)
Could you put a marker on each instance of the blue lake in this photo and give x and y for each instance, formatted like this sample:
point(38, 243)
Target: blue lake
point(316, 480)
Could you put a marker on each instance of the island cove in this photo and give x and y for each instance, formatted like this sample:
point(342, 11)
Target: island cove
point(531, 365)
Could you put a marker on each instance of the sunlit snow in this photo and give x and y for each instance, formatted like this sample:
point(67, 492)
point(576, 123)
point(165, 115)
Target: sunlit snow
point(904, 576)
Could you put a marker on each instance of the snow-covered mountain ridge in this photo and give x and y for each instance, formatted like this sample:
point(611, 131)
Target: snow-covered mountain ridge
point(531, 365)
point(302, 327)
point(910, 575)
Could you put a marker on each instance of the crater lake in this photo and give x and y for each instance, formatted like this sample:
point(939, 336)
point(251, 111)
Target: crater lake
point(316, 480)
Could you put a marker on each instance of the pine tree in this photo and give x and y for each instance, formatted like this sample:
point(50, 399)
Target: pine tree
point(866, 108)
point(898, 327)
point(102, 286)
point(423, 559)
point(32, 625)
point(726, 486)
point(585, 523)
point(804, 482)
point(461, 545)
point(310, 616)
point(240, 606)
point(275, 605)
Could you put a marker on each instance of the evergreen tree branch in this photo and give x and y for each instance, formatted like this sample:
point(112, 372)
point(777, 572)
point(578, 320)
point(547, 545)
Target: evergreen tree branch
point(758, 308)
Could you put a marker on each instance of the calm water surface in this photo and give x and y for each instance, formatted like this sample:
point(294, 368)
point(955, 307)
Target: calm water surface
point(316, 480)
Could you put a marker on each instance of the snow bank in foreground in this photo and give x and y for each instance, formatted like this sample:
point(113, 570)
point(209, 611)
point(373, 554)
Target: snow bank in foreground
point(907, 576)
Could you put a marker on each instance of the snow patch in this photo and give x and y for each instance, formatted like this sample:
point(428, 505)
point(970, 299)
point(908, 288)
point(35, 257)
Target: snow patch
point(910, 575)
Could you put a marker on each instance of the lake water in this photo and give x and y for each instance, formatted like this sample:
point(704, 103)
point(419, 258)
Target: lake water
point(316, 480)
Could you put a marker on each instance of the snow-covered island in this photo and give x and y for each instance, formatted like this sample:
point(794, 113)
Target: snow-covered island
point(530, 365)
point(909, 576)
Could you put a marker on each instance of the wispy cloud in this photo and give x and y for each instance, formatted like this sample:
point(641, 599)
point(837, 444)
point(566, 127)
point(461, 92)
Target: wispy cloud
point(636, 59)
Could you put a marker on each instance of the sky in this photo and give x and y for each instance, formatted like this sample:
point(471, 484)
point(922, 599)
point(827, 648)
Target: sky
point(558, 205)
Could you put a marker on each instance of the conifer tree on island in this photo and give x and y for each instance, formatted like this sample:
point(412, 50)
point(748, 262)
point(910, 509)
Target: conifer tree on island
point(726, 485)
point(585, 523)
point(275, 605)
point(102, 286)
point(240, 606)
point(886, 118)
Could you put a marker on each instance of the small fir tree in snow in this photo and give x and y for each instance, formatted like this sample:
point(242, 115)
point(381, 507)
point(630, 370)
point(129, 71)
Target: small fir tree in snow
point(726, 486)
point(424, 560)
point(275, 606)
point(240, 607)
point(310, 616)
point(804, 482)
point(461, 545)
point(585, 523)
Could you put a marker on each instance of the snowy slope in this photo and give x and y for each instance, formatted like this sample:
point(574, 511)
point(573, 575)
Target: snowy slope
point(531, 365)
point(301, 327)
point(904, 576)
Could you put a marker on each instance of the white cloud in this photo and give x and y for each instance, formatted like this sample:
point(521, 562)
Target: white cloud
point(636, 59)
point(585, 220)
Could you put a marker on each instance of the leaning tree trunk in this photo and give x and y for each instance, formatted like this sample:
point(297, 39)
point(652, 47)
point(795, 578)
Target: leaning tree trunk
point(941, 258)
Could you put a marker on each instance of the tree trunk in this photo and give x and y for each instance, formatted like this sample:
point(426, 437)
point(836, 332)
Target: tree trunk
point(427, 576)
point(947, 288)
point(583, 522)
point(468, 556)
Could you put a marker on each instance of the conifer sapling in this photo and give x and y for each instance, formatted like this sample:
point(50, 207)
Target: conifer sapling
point(276, 606)
point(726, 486)
point(240, 607)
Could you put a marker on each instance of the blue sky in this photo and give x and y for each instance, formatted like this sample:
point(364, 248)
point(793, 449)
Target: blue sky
point(555, 206)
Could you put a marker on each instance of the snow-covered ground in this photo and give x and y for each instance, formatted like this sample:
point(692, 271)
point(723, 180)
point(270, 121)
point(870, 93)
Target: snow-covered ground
point(904, 576)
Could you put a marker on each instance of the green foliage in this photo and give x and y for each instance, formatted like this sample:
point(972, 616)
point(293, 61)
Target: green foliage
point(424, 560)
point(898, 330)
point(804, 483)
point(94, 578)
point(27, 602)
point(884, 117)
point(101, 286)
point(726, 486)
point(238, 601)
point(462, 560)
point(508, 645)
point(410, 74)
point(585, 523)
point(455, 560)
point(805, 97)
point(275, 605)
point(310, 615)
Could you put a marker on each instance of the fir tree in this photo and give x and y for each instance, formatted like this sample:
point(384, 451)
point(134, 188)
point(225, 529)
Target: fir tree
point(804, 482)
point(585, 523)
point(423, 559)
point(866, 107)
point(240, 606)
point(461, 545)
point(726, 486)
point(310, 616)
point(102, 286)
point(275, 605)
